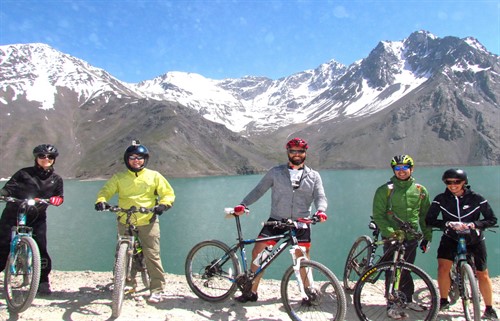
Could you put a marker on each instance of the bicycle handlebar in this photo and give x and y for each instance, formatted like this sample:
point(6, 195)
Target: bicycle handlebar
point(133, 209)
point(29, 201)
point(290, 222)
point(407, 228)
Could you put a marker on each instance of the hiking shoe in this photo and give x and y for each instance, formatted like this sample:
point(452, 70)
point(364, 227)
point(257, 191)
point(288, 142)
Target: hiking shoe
point(490, 314)
point(156, 297)
point(44, 288)
point(246, 297)
point(444, 304)
point(396, 314)
point(415, 307)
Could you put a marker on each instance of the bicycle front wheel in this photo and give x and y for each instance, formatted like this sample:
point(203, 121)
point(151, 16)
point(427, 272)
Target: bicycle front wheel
point(119, 278)
point(22, 275)
point(324, 297)
point(211, 270)
point(401, 289)
point(470, 298)
point(357, 261)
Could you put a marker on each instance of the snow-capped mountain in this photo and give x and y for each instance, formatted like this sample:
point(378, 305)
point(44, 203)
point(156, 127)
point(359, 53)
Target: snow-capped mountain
point(36, 71)
point(442, 88)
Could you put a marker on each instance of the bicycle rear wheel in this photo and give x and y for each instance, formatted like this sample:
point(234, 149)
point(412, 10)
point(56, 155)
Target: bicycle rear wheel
point(372, 297)
point(119, 278)
point(139, 265)
point(22, 275)
point(470, 299)
point(357, 261)
point(325, 297)
point(211, 270)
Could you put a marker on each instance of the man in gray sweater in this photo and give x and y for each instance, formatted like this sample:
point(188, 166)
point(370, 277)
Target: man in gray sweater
point(294, 188)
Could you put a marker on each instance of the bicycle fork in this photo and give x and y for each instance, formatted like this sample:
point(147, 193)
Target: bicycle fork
point(129, 240)
point(296, 269)
point(14, 265)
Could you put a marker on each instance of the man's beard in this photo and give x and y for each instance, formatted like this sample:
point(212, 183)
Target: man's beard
point(297, 161)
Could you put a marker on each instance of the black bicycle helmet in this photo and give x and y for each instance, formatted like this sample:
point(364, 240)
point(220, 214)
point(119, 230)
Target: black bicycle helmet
point(45, 149)
point(455, 173)
point(138, 149)
point(402, 160)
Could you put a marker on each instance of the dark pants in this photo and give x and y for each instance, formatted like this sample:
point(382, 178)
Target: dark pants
point(40, 237)
point(406, 283)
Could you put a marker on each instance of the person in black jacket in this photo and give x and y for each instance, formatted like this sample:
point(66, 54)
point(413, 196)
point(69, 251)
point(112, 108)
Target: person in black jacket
point(461, 209)
point(38, 181)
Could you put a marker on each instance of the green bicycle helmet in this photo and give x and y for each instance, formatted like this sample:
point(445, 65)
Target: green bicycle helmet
point(402, 160)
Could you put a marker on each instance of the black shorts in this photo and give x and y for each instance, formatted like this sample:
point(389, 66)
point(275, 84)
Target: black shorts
point(448, 250)
point(303, 235)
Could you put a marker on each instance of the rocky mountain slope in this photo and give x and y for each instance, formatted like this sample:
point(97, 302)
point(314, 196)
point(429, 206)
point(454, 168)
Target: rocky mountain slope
point(434, 98)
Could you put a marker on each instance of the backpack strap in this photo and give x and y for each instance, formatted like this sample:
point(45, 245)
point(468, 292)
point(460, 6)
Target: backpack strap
point(390, 192)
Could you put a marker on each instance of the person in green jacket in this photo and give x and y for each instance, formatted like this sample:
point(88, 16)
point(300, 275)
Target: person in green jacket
point(141, 187)
point(410, 201)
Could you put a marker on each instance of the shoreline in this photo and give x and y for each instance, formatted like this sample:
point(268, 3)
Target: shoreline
point(86, 295)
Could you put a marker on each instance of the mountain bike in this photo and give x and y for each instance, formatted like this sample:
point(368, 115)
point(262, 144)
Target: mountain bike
point(361, 256)
point(129, 259)
point(463, 280)
point(213, 272)
point(395, 284)
point(23, 268)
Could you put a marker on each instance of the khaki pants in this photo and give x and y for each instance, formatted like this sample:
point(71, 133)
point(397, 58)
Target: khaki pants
point(149, 235)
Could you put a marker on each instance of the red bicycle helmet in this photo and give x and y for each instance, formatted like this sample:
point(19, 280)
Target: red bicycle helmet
point(297, 142)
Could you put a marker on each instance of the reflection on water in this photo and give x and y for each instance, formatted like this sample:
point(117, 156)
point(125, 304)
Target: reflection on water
point(83, 239)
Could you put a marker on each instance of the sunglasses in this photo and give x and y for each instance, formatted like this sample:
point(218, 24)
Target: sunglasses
point(296, 151)
point(454, 182)
point(401, 167)
point(136, 157)
point(43, 156)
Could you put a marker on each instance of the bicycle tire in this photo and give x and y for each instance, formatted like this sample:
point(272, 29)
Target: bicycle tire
point(146, 281)
point(22, 275)
point(454, 292)
point(212, 283)
point(119, 278)
point(357, 261)
point(326, 298)
point(139, 264)
point(370, 296)
point(470, 298)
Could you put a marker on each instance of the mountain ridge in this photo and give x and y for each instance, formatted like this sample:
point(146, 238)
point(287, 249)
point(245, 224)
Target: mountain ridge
point(434, 98)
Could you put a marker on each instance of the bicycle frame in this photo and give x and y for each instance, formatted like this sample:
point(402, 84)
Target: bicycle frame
point(287, 239)
point(130, 237)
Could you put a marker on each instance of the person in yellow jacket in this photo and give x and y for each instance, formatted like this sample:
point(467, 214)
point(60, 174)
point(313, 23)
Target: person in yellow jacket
point(141, 187)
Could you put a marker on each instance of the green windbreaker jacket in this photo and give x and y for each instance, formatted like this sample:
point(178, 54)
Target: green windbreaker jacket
point(410, 202)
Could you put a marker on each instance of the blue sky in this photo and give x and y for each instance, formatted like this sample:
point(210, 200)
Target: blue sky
point(139, 40)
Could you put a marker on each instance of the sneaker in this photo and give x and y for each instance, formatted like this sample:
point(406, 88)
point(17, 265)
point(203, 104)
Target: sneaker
point(490, 314)
point(246, 297)
point(396, 314)
point(415, 307)
point(44, 288)
point(444, 304)
point(156, 297)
